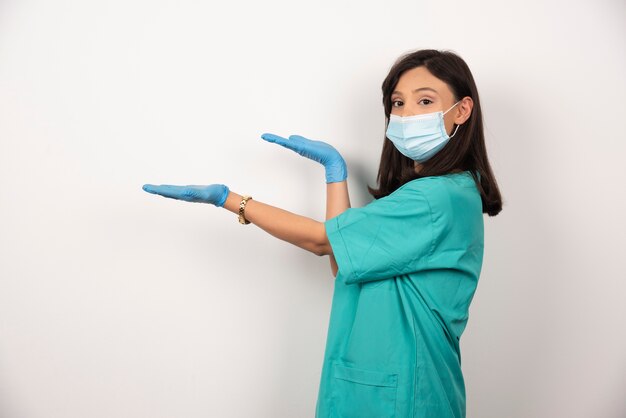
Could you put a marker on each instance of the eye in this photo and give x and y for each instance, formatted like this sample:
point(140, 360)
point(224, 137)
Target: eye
point(428, 100)
point(395, 101)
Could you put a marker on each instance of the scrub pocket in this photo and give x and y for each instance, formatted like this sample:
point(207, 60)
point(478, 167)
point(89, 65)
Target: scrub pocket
point(359, 393)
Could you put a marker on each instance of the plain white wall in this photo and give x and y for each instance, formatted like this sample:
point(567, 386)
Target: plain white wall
point(118, 303)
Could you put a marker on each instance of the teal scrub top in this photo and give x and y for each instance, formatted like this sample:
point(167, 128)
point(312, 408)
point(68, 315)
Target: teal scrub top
point(408, 265)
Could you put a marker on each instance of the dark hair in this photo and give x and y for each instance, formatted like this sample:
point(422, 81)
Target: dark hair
point(465, 152)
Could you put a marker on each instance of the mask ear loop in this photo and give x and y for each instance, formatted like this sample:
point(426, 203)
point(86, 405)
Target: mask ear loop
point(452, 106)
point(457, 126)
point(455, 129)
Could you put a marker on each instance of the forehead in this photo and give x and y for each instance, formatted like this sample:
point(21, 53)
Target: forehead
point(419, 77)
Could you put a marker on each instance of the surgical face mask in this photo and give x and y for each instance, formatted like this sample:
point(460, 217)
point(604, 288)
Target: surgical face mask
point(419, 137)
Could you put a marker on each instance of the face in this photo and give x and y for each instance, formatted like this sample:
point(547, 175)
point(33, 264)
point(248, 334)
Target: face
point(419, 92)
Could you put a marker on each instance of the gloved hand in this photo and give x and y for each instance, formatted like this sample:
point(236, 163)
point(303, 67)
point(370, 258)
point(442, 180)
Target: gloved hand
point(323, 153)
point(215, 194)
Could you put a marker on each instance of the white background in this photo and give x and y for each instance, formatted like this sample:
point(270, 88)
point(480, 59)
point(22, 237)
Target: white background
point(118, 303)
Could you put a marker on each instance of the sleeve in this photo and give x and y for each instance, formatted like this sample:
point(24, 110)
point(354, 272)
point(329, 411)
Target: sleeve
point(391, 236)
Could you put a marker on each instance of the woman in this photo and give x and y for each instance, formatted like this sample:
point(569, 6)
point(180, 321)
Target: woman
point(407, 264)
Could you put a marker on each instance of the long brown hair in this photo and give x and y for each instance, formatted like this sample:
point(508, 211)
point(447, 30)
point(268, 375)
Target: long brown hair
point(466, 151)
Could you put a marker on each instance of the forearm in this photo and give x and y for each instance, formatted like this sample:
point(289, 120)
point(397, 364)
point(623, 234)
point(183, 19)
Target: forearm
point(301, 231)
point(337, 198)
point(337, 201)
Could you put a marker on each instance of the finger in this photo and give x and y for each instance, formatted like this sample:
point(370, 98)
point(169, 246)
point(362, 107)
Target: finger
point(293, 144)
point(309, 142)
point(274, 138)
point(165, 190)
point(298, 138)
point(148, 188)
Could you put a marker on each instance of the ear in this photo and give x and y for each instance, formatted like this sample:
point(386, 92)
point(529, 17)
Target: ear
point(464, 110)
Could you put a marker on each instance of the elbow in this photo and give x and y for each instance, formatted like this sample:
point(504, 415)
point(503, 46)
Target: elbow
point(322, 245)
point(323, 249)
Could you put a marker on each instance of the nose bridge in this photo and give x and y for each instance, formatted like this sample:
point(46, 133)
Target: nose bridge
point(409, 109)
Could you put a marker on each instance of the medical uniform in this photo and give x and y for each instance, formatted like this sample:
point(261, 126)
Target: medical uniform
point(408, 267)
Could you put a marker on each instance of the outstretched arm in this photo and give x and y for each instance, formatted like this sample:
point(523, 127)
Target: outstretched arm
point(298, 230)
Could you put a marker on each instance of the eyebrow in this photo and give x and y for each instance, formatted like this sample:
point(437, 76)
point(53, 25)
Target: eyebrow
point(416, 90)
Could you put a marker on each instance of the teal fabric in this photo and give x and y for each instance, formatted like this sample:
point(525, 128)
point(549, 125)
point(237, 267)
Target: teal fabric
point(409, 265)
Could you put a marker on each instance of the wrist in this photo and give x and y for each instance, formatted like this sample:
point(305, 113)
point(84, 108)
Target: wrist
point(223, 196)
point(336, 172)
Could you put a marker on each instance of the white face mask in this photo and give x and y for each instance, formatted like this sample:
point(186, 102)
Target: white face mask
point(419, 137)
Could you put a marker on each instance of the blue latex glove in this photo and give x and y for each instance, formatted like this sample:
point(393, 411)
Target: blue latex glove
point(215, 194)
point(319, 151)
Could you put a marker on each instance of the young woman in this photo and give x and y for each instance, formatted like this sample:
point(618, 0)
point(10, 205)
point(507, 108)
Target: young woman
point(407, 264)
